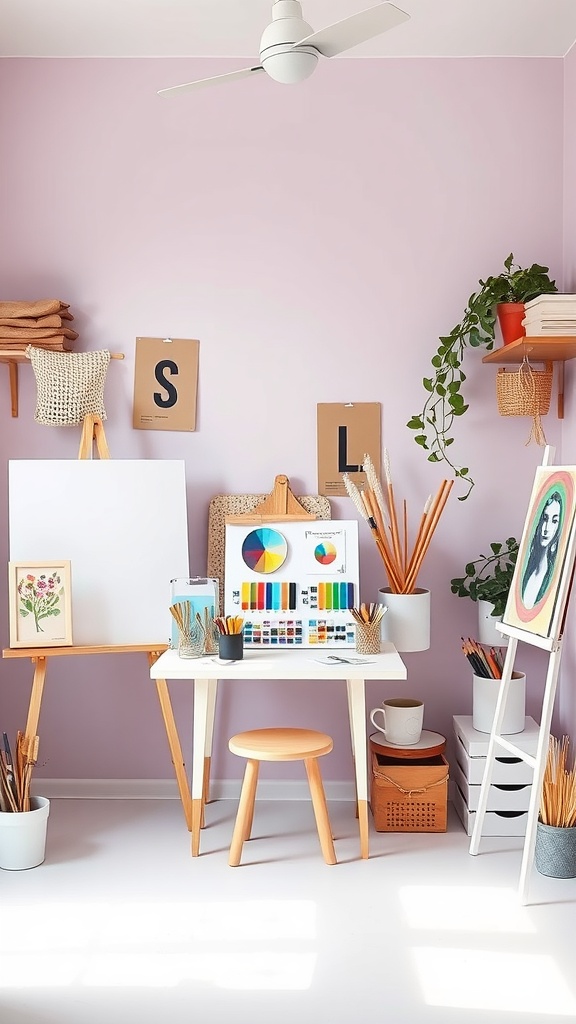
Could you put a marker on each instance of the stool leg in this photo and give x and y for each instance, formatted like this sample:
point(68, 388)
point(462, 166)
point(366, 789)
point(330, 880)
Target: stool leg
point(320, 809)
point(245, 813)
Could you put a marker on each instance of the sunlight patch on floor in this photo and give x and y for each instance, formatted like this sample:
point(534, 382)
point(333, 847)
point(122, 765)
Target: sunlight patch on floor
point(474, 979)
point(155, 944)
point(465, 908)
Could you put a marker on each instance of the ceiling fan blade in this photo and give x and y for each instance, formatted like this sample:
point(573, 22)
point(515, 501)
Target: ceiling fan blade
point(343, 35)
point(203, 82)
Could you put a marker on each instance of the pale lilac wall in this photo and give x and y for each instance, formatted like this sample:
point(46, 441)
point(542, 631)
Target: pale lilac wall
point(567, 691)
point(317, 240)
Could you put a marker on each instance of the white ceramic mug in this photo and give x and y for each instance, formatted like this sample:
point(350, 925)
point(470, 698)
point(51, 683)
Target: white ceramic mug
point(402, 720)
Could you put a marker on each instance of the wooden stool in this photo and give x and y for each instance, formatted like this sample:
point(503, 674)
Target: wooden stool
point(281, 745)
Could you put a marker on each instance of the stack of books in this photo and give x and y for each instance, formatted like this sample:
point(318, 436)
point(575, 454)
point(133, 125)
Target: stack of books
point(553, 315)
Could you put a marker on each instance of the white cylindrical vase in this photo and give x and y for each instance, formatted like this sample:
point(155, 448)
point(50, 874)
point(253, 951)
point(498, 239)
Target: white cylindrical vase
point(487, 632)
point(23, 835)
point(406, 623)
point(484, 696)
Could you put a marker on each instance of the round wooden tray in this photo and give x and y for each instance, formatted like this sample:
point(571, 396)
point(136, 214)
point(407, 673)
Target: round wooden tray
point(429, 744)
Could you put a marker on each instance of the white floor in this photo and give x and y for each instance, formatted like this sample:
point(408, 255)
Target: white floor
point(120, 924)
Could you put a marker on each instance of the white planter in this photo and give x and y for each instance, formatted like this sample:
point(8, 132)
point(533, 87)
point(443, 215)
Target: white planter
point(487, 632)
point(484, 696)
point(23, 835)
point(406, 623)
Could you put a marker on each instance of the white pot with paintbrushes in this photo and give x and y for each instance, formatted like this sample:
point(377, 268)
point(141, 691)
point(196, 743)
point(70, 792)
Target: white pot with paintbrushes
point(23, 818)
point(407, 623)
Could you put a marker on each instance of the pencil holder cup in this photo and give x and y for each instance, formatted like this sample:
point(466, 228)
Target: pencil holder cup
point(231, 646)
point(484, 697)
point(191, 642)
point(368, 637)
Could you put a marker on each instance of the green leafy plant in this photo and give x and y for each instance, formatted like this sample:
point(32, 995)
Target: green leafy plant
point(489, 577)
point(445, 402)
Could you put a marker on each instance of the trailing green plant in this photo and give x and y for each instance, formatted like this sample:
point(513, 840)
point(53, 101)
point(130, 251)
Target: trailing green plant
point(444, 403)
point(489, 577)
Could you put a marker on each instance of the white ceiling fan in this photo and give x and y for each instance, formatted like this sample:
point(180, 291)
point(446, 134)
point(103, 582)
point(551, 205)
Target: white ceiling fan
point(289, 49)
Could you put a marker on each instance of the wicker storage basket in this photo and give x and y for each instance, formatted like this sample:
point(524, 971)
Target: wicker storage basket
point(525, 391)
point(409, 795)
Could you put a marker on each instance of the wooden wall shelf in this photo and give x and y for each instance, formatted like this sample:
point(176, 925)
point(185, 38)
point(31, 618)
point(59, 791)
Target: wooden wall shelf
point(538, 349)
point(13, 358)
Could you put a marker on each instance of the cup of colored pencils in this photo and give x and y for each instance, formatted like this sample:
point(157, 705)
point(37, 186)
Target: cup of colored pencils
point(368, 619)
point(485, 663)
point(230, 637)
point(401, 555)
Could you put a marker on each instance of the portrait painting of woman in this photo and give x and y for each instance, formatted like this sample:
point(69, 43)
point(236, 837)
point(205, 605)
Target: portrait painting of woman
point(539, 589)
point(543, 551)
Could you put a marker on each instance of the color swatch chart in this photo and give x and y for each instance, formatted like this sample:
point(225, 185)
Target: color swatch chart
point(294, 583)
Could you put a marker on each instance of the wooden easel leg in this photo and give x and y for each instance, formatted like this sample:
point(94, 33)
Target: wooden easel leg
point(93, 431)
point(174, 744)
point(36, 696)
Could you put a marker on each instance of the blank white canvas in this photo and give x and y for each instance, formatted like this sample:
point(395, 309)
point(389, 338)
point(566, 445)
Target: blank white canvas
point(123, 525)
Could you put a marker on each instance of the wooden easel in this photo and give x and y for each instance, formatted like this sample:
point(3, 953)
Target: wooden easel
point(93, 432)
point(503, 744)
point(279, 507)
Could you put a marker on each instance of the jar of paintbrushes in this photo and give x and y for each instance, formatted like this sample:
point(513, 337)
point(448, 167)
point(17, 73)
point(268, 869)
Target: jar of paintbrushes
point(368, 619)
point(191, 635)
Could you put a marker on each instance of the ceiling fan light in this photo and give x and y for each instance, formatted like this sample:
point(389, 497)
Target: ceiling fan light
point(290, 67)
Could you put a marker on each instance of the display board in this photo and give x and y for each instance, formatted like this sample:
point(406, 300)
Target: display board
point(294, 583)
point(123, 526)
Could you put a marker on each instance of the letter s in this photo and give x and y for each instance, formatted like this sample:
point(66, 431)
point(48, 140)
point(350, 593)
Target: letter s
point(165, 403)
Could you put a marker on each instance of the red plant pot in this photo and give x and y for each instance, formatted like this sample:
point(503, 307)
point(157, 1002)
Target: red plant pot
point(510, 316)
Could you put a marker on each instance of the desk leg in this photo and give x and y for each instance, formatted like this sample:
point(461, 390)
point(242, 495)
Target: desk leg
point(357, 711)
point(204, 705)
point(36, 696)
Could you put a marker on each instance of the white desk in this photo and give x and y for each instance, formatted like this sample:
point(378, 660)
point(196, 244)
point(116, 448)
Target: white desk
point(277, 664)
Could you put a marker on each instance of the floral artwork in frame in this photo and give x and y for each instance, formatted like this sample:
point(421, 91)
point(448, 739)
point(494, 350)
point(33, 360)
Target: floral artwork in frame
point(543, 572)
point(40, 604)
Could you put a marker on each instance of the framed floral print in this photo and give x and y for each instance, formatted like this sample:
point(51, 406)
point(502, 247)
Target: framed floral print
point(40, 604)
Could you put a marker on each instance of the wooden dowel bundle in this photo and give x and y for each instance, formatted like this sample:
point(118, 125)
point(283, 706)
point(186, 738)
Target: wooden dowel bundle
point(378, 508)
point(558, 800)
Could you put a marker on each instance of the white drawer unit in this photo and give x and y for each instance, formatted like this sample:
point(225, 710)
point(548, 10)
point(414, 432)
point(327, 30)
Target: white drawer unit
point(509, 795)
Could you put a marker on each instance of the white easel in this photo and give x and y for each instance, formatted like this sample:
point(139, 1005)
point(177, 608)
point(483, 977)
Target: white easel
point(553, 644)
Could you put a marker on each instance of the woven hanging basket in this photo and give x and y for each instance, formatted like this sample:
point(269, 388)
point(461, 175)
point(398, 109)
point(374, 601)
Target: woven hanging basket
point(525, 392)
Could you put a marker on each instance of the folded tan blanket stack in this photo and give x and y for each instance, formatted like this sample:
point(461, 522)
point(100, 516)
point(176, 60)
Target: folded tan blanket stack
point(43, 323)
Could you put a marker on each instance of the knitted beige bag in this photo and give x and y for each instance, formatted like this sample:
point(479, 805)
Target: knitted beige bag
point(69, 385)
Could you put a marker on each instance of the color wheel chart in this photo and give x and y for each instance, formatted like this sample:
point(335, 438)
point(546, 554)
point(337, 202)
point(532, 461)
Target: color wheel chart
point(293, 583)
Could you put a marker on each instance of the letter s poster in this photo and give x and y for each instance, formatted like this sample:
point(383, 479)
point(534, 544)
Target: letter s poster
point(165, 383)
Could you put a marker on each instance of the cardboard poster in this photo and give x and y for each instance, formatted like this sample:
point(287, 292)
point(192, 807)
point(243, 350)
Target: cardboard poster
point(345, 434)
point(165, 383)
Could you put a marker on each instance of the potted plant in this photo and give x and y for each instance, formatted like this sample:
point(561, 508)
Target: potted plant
point(445, 402)
point(487, 580)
